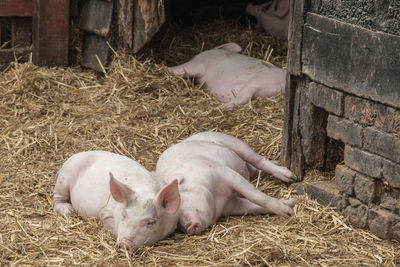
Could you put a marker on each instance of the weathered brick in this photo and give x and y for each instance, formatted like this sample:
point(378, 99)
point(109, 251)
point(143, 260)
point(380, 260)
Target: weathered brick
point(362, 161)
point(390, 199)
point(357, 213)
point(359, 110)
point(371, 113)
point(365, 188)
point(379, 222)
point(327, 98)
point(344, 177)
point(395, 228)
point(344, 130)
point(388, 119)
point(381, 143)
point(391, 173)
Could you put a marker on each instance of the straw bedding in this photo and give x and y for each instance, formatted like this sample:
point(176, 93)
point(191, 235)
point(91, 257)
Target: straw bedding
point(138, 109)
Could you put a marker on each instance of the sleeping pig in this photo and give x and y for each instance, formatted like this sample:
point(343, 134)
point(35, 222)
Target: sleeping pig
point(233, 78)
point(273, 17)
point(213, 170)
point(134, 204)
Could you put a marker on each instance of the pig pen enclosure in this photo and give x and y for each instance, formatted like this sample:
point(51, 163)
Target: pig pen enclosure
point(137, 109)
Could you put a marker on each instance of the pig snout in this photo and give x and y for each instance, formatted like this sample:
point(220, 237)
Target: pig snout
point(194, 228)
point(124, 244)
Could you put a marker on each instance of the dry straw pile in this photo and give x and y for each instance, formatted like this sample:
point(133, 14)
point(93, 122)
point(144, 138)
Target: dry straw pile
point(138, 109)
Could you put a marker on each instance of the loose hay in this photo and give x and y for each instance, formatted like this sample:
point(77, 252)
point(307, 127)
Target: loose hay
point(138, 109)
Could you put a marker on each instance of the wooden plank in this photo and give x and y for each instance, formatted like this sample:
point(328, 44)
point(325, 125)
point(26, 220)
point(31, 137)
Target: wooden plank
point(21, 54)
point(96, 17)
point(125, 23)
point(149, 17)
point(286, 150)
point(50, 32)
point(17, 8)
point(290, 132)
point(352, 59)
point(95, 49)
point(296, 22)
point(21, 32)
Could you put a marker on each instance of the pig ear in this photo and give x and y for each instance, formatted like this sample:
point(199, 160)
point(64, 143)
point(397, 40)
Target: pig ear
point(168, 199)
point(281, 8)
point(235, 48)
point(119, 191)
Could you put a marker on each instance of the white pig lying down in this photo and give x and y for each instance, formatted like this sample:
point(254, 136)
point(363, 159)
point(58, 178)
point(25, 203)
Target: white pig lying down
point(272, 17)
point(134, 204)
point(233, 78)
point(213, 170)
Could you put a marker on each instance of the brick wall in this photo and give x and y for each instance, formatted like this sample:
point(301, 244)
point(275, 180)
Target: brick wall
point(342, 107)
point(369, 179)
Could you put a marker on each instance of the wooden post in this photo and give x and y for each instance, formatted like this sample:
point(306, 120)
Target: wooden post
point(50, 32)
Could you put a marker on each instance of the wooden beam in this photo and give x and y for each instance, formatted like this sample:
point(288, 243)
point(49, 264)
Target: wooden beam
point(8, 55)
point(50, 32)
point(17, 8)
point(149, 17)
point(353, 59)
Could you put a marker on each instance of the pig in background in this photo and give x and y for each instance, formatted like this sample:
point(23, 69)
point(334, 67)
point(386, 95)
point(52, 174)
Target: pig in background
point(134, 204)
point(272, 17)
point(213, 170)
point(233, 78)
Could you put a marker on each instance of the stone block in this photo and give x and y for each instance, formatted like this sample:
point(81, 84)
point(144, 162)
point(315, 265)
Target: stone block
point(381, 143)
point(344, 130)
point(357, 213)
point(359, 110)
point(391, 173)
point(326, 98)
point(379, 222)
point(390, 199)
point(362, 161)
point(395, 228)
point(388, 119)
point(324, 192)
point(365, 188)
point(344, 177)
point(369, 113)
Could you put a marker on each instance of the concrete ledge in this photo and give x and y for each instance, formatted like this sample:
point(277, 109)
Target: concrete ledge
point(324, 192)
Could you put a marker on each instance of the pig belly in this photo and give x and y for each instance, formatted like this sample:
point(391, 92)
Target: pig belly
point(173, 158)
point(90, 193)
point(237, 73)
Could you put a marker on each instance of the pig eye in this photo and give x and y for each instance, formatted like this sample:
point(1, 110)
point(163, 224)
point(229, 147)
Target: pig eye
point(150, 223)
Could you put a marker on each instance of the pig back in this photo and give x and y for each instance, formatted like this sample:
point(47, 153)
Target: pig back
point(187, 156)
point(89, 177)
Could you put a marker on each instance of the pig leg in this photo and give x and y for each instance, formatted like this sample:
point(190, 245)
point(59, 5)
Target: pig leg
point(189, 69)
point(65, 180)
point(242, 206)
point(246, 189)
point(255, 161)
point(61, 203)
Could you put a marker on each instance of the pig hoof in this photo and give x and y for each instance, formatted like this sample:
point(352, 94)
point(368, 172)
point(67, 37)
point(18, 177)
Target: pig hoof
point(227, 106)
point(194, 229)
point(285, 175)
point(63, 208)
point(289, 202)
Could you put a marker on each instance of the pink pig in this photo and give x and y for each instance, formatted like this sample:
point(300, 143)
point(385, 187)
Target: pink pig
point(272, 18)
point(213, 170)
point(233, 78)
point(133, 203)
